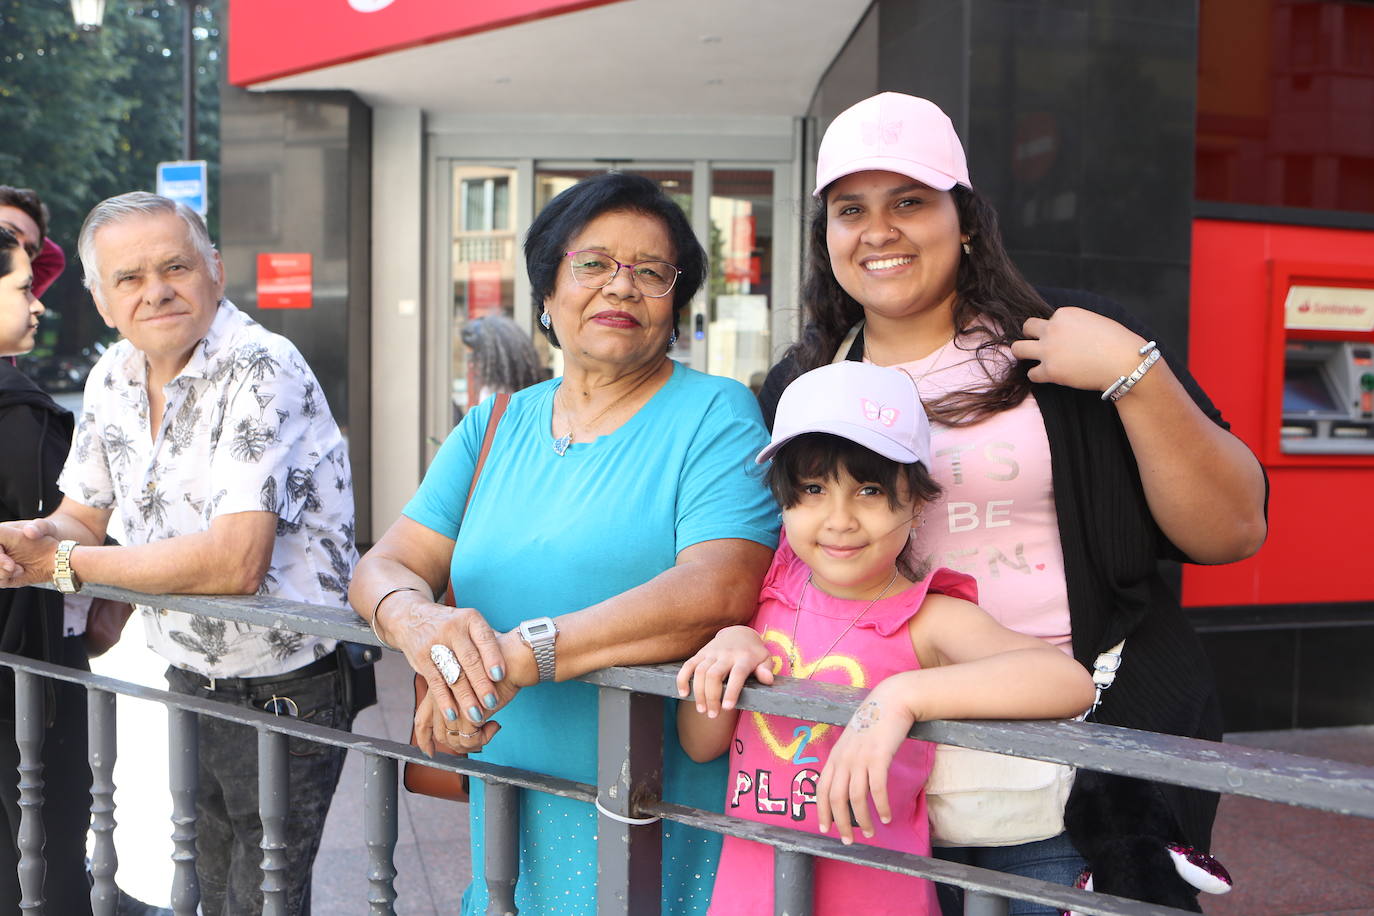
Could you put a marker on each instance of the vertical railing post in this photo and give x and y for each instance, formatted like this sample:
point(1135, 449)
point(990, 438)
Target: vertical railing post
point(28, 736)
point(183, 772)
point(793, 887)
point(981, 903)
point(274, 803)
point(379, 827)
point(629, 770)
point(501, 844)
point(100, 725)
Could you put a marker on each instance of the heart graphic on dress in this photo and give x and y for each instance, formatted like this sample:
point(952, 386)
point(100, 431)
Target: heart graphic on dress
point(788, 661)
point(1040, 566)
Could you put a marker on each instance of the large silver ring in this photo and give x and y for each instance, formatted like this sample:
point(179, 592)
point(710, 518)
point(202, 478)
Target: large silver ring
point(446, 662)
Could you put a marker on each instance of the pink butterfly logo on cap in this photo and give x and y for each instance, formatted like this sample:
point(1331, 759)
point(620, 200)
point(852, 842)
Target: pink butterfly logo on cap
point(884, 415)
point(886, 131)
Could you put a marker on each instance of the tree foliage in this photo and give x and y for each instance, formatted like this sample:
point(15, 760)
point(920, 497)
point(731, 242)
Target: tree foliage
point(87, 116)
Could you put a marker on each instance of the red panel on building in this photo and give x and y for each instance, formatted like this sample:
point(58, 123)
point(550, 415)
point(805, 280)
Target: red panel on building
point(285, 281)
point(1321, 506)
point(272, 39)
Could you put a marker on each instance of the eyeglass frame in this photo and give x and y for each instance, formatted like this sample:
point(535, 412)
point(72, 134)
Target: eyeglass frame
point(677, 272)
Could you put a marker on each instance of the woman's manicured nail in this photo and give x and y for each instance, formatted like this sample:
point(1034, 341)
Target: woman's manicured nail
point(497, 673)
point(451, 715)
point(489, 701)
point(475, 714)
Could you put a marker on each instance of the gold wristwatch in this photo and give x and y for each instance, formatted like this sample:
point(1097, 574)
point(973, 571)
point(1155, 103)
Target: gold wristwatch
point(62, 574)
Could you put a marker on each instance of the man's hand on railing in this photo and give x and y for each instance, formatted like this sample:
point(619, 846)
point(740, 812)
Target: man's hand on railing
point(27, 549)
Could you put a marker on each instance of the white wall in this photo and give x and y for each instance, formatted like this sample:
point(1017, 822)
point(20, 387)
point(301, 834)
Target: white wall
point(398, 207)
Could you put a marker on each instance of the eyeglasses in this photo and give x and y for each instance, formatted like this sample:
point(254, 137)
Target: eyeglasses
point(282, 706)
point(596, 269)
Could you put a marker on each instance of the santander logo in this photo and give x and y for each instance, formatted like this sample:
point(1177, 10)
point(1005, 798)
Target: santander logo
point(370, 6)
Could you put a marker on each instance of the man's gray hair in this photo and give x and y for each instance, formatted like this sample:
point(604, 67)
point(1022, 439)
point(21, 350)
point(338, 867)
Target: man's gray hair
point(138, 203)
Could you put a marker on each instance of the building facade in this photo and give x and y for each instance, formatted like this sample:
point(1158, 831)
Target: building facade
point(1168, 155)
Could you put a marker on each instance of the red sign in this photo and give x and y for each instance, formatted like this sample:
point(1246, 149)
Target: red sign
point(284, 281)
point(484, 288)
point(271, 39)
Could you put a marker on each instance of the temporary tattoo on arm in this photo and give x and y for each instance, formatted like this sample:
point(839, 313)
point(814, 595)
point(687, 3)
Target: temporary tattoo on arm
point(865, 716)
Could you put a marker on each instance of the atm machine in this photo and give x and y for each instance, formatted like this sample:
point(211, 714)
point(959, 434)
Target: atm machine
point(1328, 398)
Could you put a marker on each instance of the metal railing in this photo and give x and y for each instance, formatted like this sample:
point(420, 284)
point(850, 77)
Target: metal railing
point(630, 743)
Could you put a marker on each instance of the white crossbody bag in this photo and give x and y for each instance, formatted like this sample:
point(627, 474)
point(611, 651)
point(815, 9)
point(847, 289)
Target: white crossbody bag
point(978, 798)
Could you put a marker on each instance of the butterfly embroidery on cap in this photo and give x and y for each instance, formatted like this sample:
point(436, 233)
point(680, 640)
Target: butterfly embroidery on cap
point(886, 131)
point(884, 415)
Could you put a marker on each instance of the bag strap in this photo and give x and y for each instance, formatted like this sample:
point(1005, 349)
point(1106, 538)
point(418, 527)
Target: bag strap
point(497, 410)
point(842, 351)
point(1104, 674)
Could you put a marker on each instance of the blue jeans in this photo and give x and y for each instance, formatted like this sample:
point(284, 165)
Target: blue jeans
point(228, 828)
point(1054, 860)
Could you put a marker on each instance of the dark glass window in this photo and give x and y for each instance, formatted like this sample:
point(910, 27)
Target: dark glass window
point(1286, 103)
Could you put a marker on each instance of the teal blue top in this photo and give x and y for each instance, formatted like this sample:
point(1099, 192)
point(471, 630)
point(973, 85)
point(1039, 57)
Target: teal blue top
point(546, 535)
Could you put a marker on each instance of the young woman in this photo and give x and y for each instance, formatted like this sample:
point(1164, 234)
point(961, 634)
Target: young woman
point(37, 433)
point(1072, 455)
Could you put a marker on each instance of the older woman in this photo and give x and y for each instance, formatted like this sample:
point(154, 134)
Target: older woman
point(616, 501)
point(1072, 457)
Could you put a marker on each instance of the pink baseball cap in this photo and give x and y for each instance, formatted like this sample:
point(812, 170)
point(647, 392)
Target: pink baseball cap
point(892, 132)
point(874, 406)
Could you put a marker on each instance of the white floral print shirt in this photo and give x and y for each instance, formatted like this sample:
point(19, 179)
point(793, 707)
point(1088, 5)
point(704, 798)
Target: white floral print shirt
point(246, 428)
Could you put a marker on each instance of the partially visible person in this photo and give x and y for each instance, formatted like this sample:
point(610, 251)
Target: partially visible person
point(503, 357)
point(212, 438)
point(1073, 457)
point(847, 462)
point(23, 213)
point(615, 522)
point(33, 622)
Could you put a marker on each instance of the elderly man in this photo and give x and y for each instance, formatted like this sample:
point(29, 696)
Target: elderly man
point(211, 437)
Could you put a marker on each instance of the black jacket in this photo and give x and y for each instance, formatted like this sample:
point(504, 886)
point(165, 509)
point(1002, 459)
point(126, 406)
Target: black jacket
point(1111, 551)
point(35, 435)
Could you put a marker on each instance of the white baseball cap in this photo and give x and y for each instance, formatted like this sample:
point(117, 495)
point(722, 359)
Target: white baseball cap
point(873, 406)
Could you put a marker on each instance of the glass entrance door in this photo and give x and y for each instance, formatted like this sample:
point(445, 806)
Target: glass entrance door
point(731, 328)
point(740, 291)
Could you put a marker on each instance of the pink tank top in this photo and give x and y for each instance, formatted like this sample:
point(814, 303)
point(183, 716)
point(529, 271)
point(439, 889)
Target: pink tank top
point(775, 761)
point(996, 519)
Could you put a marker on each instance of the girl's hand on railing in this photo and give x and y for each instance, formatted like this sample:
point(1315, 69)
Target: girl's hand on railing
point(716, 674)
point(858, 764)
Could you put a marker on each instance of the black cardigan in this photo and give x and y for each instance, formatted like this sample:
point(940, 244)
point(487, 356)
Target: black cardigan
point(36, 433)
point(1111, 550)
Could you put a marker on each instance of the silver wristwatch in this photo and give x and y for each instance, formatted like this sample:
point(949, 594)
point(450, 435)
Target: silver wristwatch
point(539, 634)
point(62, 574)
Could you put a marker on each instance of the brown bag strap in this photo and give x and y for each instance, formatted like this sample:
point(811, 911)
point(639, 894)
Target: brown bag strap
point(497, 410)
point(416, 777)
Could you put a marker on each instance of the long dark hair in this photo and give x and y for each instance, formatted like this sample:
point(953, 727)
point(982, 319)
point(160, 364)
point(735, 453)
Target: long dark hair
point(8, 242)
point(992, 301)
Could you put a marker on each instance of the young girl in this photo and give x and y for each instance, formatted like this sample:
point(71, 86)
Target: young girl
point(850, 450)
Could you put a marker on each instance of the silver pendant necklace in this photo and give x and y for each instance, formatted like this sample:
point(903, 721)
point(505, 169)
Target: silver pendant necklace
point(836, 641)
point(561, 443)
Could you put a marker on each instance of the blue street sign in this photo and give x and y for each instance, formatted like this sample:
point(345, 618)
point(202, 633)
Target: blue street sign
point(185, 182)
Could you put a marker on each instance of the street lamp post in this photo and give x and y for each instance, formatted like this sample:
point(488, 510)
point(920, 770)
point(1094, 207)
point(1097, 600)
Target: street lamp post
point(188, 81)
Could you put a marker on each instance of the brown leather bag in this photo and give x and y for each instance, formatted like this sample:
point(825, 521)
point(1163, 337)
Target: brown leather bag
point(105, 623)
point(418, 778)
